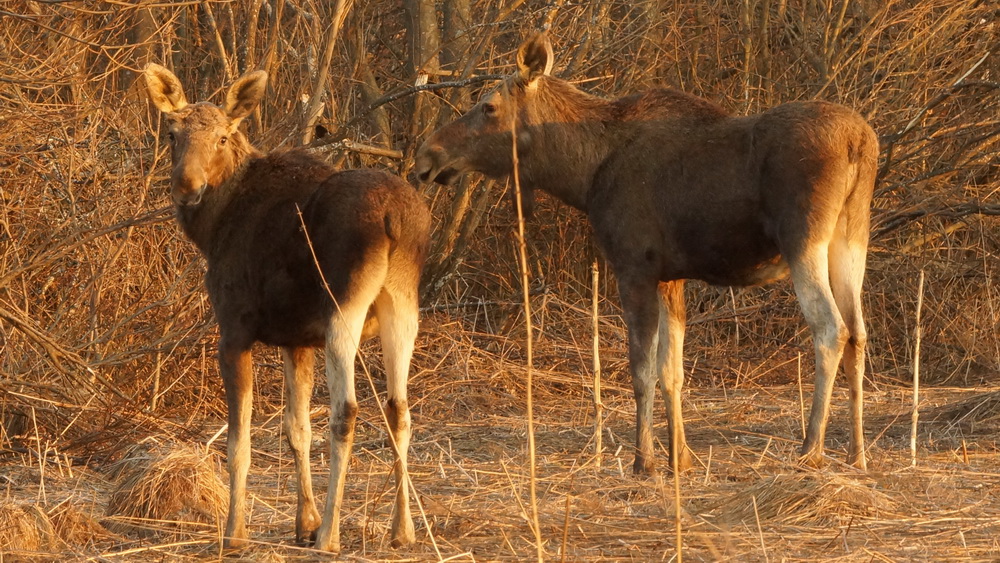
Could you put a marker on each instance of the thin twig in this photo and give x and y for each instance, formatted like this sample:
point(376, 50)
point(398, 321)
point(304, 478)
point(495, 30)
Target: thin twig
point(388, 98)
point(314, 107)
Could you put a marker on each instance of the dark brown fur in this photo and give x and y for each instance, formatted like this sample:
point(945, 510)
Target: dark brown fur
point(677, 188)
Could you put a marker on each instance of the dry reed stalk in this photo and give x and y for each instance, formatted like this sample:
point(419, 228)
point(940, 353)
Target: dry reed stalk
point(675, 460)
point(916, 372)
point(598, 406)
point(529, 383)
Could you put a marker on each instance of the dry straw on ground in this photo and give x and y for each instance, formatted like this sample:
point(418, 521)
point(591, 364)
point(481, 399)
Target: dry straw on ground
point(171, 488)
point(76, 528)
point(803, 499)
point(24, 527)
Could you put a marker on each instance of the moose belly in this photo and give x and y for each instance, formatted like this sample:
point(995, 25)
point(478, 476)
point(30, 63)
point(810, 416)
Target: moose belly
point(767, 272)
point(295, 325)
point(745, 259)
point(760, 273)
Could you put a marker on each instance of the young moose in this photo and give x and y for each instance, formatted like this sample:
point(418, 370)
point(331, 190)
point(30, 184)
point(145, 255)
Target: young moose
point(369, 231)
point(676, 188)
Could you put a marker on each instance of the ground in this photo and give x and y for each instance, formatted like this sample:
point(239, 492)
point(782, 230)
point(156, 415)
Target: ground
point(745, 499)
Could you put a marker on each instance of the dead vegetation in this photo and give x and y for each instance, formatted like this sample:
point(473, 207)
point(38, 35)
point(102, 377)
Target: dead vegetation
point(167, 488)
point(107, 338)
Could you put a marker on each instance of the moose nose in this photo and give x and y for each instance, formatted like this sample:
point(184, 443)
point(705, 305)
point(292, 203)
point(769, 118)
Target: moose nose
point(189, 197)
point(195, 198)
point(427, 158)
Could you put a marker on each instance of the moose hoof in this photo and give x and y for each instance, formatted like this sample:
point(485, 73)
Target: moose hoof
point(684, 463)
point(644, 467)
point(402, 533)
point(305, 538)
point(858, 461)
point(233, 544)
point(813, 459)
point(327, 541)
point(306, 526)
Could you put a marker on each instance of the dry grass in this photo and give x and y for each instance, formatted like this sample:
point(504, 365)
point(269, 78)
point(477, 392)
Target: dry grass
point(173, 487)
point(107, 338)
point(76, 527)
point(802, 499)
point(468, 467)
point(24, 527)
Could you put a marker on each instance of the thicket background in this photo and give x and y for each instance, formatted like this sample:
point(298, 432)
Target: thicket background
point(105, 330)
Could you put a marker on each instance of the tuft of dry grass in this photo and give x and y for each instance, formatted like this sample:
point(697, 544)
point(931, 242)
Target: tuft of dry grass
point(170, 488)
point(24, 527)
point(802, 499)
point(75, 527)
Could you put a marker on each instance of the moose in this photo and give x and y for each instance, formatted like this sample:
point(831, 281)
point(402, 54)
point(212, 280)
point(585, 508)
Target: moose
point(300, 256)
point(676, 188)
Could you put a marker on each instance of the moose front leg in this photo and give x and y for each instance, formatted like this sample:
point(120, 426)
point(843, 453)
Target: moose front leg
point(639, 304)
point(236, 367)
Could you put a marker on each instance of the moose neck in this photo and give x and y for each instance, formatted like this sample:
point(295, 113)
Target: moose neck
point(200, 221)
point(571, 133)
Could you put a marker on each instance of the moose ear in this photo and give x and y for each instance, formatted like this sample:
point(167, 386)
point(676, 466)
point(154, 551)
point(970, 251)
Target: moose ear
point(164, 89)
point(244, 95)
point(535, 58)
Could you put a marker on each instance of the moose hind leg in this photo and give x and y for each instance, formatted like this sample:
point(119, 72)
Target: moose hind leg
point(398, 314)
point(342, 342)
point(298, 390)
point(670, 366)
point(810, 276)
point(847, 270)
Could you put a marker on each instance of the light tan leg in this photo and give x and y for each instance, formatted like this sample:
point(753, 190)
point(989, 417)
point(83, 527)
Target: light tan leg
point(847, 270)
point(298, 390)
point(236, 366)
point(810, 275)
point(670, 366)
point(341, 350)
point(398, 317)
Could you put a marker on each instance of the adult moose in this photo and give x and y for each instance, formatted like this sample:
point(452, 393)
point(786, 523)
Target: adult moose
point(675, 189)
point(282, 233)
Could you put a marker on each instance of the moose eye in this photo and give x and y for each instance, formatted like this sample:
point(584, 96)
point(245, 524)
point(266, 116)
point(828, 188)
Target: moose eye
point(170, 135)
point(222, 140)
point(489, 109)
